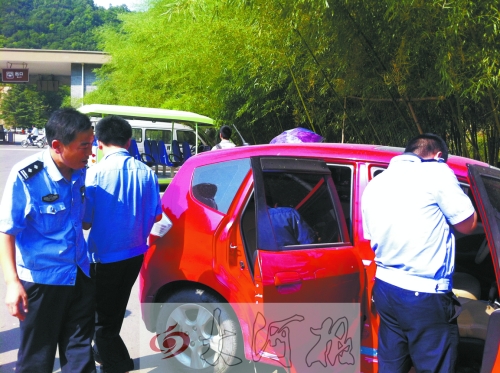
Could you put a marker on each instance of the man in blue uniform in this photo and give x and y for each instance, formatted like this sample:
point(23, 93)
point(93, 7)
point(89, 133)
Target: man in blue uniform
point(43, 252)
point(409, 214)
point(123, 203)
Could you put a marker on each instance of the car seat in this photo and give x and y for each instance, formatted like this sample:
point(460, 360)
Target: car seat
point(473, 320)
point(466, 286)
point(133, 150)
point(176, 156)
point(163, 158)
point(186, 151)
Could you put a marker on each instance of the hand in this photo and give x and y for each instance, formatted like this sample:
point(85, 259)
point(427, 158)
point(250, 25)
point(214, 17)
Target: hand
point(17, 300)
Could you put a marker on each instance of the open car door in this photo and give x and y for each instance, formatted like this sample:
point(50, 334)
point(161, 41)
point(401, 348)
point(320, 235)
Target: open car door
point(311, 278)
point(485, 186)
point(304, 250)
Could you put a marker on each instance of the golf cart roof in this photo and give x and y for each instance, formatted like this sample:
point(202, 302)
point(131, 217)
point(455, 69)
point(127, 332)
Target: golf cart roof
point(137, 112)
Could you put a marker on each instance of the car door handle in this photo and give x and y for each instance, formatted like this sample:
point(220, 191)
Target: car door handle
point(286, 278)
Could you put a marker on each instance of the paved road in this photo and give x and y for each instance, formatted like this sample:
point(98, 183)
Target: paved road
point(134, 333)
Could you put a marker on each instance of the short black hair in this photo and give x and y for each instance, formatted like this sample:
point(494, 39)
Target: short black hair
point(427, 145)
point(65, 124)
point(225, 132)
point(113, 130)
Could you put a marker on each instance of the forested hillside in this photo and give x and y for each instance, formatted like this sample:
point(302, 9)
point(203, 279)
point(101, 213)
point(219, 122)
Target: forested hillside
point(47, 24)
point(53, 24)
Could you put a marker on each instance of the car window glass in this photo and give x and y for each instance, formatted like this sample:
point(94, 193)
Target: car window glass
point(492, 187)
point(216, 185)
point(164, 135)
point(137, 134)
point(342, 178)
point(188, 136)
point(301, 209)
point(376, 171)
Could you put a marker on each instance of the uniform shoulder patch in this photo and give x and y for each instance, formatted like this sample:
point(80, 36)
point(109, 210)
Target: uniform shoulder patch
point(31, 170)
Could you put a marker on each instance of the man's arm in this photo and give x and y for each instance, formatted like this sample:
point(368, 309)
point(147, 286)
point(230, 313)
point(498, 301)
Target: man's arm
point(468, 225)
point(15, 290)
point(90, 187)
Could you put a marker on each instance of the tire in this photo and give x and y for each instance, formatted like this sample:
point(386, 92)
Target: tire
point(40, 144)
point(211, 336)
point(25, 143)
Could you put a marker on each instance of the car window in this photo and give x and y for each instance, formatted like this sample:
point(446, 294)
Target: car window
point(137, 134)
point(492, 186)
point(301, 209)
point(188, 136)
point(376, 171)
point(216, 185)
point(342, 178)
point(164, 135)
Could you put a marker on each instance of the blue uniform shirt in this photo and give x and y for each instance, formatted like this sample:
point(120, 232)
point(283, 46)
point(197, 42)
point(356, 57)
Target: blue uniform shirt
point(122, 202)
point(289, 227)
point(44, 212)
point(407, 213)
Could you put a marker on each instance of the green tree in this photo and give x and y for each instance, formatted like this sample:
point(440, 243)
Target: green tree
point(22, 105)
point(354, 71)
point(54, 24)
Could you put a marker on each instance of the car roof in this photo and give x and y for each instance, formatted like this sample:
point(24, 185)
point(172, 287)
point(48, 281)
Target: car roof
point(354, 152)
point(136, 112)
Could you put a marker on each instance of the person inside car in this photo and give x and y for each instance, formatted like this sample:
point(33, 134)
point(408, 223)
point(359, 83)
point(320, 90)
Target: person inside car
point(289, 226)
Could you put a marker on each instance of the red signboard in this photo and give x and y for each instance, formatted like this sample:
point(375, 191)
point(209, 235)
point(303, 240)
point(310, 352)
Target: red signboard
point(15, 75)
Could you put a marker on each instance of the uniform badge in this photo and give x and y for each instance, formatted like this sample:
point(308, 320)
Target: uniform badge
point(31, 170)
point(50, 197)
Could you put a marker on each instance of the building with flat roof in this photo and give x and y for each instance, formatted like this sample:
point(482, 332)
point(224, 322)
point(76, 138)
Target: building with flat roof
point(49, 69)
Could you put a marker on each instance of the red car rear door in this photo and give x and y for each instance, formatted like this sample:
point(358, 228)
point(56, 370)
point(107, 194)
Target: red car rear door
point(326, 270)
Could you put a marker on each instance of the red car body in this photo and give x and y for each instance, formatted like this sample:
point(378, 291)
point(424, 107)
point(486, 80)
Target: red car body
point(206, 247)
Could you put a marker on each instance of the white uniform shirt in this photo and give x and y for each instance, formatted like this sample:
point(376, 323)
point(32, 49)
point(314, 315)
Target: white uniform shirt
point(407, 213)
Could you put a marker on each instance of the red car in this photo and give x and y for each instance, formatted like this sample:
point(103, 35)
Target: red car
point(220, 265)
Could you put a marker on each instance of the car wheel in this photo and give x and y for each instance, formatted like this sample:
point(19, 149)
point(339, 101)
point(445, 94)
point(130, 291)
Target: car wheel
point(24, 143)
point(198, 333)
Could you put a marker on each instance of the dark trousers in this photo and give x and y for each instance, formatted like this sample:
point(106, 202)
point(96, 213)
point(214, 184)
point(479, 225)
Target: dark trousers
point(58, 316)
point(114, 283)
point(416, 328)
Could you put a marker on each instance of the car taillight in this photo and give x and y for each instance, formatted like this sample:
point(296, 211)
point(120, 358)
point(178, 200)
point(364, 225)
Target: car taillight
point(162, 227)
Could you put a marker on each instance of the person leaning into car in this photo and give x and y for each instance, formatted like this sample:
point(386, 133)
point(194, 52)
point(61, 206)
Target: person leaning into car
point(122, 204)
point(43, 252)
point(409, 214)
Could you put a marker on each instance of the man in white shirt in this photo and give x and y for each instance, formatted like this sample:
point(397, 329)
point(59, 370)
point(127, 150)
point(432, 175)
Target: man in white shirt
point(34, 134)
point(409, 214)
point(224, 134)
